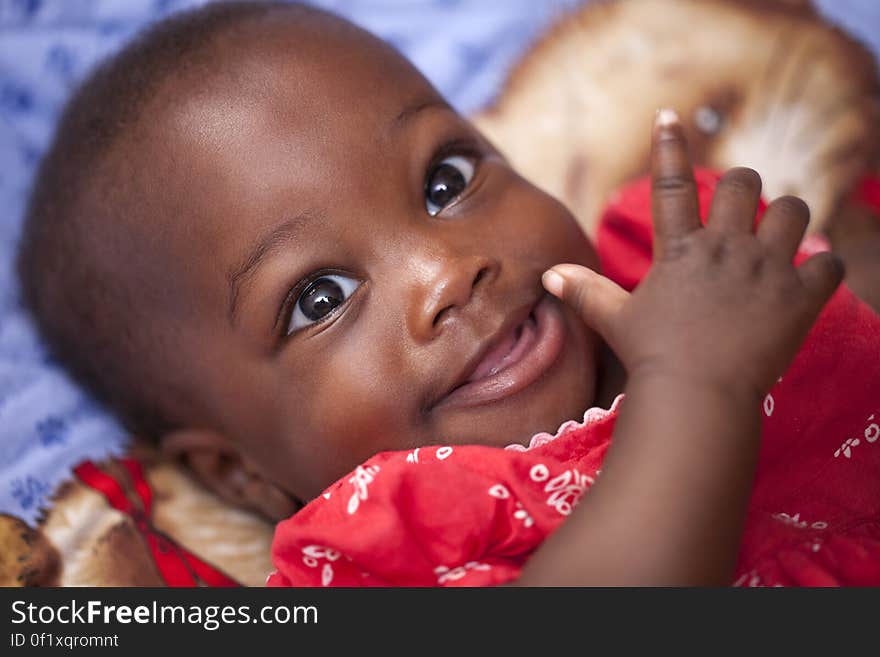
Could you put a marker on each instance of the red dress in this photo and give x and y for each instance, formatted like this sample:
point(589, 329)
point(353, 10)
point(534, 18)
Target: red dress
point(472, 515)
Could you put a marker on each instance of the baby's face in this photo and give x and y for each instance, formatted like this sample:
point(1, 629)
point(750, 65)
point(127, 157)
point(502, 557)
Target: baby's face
point(352, 261)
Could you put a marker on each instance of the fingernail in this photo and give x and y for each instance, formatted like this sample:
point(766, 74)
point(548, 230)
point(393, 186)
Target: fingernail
point(666, 117)
point(552, 282)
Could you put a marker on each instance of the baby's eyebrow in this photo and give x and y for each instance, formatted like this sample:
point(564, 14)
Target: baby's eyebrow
point(263, 247)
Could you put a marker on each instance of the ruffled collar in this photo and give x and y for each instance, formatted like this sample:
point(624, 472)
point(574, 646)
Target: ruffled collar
point(592, 415)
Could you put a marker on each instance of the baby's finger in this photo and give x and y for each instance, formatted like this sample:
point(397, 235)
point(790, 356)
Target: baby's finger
point(821, 275)
point(735, 202)
point(783, 225)
point(596, 299)
point(673, 191)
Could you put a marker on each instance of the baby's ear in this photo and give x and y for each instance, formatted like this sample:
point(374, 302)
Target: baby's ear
point(218, 464)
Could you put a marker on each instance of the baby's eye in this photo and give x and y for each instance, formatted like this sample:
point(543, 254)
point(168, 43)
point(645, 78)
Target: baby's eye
point(446, 181)
point(319, 299)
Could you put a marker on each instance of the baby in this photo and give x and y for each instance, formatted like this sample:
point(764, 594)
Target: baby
point(265, 240)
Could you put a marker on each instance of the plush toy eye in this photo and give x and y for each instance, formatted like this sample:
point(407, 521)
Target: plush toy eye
point(708, 119)
point(446, 181)
point(320, 298)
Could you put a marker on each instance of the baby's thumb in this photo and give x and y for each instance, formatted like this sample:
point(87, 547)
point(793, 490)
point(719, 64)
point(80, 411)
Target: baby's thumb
point(596, 299)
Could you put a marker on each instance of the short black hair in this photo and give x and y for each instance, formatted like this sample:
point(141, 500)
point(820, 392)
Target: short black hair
point(87, 316)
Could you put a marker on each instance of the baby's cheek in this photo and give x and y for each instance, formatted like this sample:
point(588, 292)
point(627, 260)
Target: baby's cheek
point(354, 415)
point(577, 246)
point(559, 236)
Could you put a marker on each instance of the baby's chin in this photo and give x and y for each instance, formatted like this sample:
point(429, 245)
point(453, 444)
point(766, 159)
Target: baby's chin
point(519, 426)
point(548, 419)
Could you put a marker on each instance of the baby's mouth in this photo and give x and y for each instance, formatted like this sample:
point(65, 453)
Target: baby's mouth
point(508, 351)
point(514, 361)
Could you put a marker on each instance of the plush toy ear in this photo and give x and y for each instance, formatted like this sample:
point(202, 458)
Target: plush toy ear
point(27, 556)
point(217, 463)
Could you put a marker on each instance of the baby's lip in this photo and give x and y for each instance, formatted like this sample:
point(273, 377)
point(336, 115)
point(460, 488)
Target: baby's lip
point(524, 346)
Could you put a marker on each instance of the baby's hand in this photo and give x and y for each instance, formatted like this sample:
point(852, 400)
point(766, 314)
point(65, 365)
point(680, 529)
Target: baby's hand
point(717, 319)
point(722, 305)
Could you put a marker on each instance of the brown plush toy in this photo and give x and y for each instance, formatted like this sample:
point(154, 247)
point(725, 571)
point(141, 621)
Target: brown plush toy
point(767, 85)
point(82, 541)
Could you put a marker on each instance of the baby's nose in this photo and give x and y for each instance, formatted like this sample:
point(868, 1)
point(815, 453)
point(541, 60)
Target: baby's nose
point(449, 286)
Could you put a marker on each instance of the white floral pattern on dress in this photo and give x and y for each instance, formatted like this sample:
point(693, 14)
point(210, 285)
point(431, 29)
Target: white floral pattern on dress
point(770, 401)
point(313, 554)
point(769, 404)
point(445, 574)
point(846, 447)
point(750, 579)
point(872, 431)
point(566, 489)
point(522, 514)
point(795, 521)
point(363, 477)
point(501, 492)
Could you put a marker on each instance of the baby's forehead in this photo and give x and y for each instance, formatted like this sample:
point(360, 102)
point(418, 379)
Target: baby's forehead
point(269, 79)
point(304, 63)
point(232, 142)
point(271, 83)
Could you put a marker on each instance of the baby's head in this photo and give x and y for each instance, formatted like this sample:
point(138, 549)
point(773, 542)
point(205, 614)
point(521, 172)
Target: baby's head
point(263, 238)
